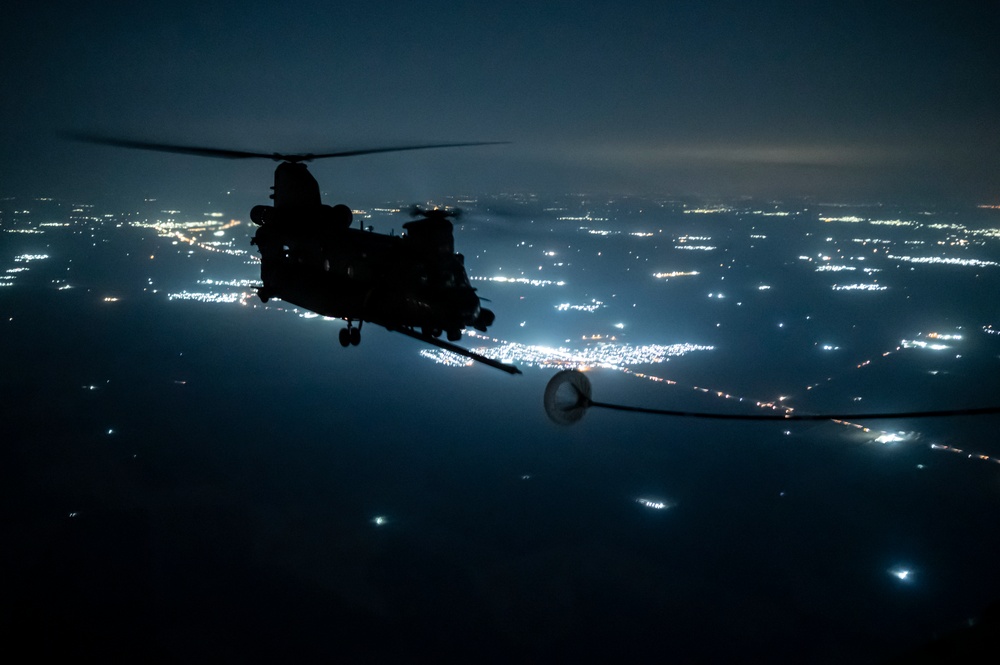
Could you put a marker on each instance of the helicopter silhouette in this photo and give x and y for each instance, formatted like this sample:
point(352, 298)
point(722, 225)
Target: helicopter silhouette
point(314, 257)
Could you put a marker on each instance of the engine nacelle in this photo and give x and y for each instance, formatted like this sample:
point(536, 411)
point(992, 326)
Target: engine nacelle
point(261, 215)
point(485, 319)
point(342, 215)
point(338, 216)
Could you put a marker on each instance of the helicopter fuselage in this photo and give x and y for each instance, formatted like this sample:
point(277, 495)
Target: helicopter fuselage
point(313, 257)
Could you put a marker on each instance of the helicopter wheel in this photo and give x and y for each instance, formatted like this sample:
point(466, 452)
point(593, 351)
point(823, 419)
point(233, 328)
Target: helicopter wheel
point(454, 335)
point(354, 335)
point(345, 337)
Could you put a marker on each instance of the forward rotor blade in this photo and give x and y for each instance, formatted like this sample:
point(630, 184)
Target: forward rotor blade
point(400, 148)
point(168, 147)
point(243, 154)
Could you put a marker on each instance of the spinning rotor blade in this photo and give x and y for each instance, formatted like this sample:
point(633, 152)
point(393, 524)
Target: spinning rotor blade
point(242, 154)
point(167, 147)
point(372, 151)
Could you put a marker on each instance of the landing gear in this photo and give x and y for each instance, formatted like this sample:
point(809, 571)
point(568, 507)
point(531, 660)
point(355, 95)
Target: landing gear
point(454, 335)
point(350, 336)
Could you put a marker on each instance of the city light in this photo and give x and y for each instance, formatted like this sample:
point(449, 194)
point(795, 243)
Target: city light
point(653, 504)
point(859, 287)
point(902, 574)
point(943, 260)
point(592, 307)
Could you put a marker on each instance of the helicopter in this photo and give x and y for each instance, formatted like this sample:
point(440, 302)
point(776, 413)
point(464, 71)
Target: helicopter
point(312, 256)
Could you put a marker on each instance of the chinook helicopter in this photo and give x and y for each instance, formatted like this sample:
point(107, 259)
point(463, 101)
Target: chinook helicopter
point(314, 257)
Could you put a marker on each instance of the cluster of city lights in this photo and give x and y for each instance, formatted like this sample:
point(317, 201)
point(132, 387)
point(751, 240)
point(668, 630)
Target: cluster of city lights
point(849, 219)
point(920, 344)
point(895, 222)
point(238, 283)
point(27, 258)
point(858, 287)
point(519, 280)
point(602, 354)
point(11, 274)
point(707, 211)
point(592, 307)
point(653, 504)
point(211, 297)
point(950, 261)
point(972, 456)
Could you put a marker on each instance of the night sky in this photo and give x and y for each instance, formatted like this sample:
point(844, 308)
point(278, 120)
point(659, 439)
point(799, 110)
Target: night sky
point(855, 99)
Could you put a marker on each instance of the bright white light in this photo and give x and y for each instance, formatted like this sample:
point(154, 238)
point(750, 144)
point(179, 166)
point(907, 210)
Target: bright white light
point(903, 574)
point(380, 520)
point(653, 504)
point(908, 344)
point(619, 325)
